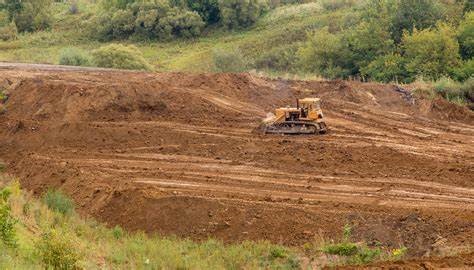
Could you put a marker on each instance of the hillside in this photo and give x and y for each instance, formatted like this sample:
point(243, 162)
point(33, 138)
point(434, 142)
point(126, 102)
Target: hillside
point(176, 154)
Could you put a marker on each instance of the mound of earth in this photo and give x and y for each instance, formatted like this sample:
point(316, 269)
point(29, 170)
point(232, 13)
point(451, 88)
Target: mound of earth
point(174, 153)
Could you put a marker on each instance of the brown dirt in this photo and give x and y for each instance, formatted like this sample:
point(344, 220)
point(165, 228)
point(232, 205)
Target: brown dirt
point(174, 153)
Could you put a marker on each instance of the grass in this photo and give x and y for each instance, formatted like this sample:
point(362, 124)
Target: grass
point(460, 93)
point(48, 234)
point(46, 237)
point(180, 55)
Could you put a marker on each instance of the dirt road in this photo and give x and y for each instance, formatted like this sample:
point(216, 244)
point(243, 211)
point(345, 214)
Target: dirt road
point(176, 154)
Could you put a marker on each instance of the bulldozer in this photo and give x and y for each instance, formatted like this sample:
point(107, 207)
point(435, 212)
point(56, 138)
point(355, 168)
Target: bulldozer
point(306, 118)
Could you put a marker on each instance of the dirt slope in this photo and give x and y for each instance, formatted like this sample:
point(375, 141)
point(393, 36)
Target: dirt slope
point(175, 154)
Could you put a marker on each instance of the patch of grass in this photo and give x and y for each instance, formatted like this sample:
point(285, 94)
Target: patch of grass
point(341, 249)
point(57, 201)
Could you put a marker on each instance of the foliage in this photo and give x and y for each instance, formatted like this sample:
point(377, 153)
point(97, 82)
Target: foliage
point(8, 32)
point(466, 36)
point(386, 68)
point(120, 56)
point(57, 251)
point(230, 60)
point(73, 57)
point(326, 54)
point(207, 9)
point(414, 14)
point(342, 249)
point(29, 15)
point(337, 4)
point(58, 202)
point(241, 13)
point(464, 71)
point(7, 221)
point(459, 93)
point(431, 53)
point(147, 20)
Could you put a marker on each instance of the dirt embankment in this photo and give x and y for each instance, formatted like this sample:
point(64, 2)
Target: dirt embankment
point(175, 154)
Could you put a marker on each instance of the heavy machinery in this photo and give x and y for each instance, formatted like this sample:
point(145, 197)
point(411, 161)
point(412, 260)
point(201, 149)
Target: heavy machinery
point(306, 118)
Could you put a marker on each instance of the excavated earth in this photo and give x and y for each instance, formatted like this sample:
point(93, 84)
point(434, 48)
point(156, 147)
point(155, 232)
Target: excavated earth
point(178, 154)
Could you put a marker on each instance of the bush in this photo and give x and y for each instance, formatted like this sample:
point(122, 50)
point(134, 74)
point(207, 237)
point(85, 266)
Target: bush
point(121, 57)
point(241, 13)
point(8, 32)
point(281, 59)
point(337, 4)
point(57, 201)
point(7, 221)
point(57, 251)
point(73, 57)
point(228, 60)
point(341, 249)
point(455, 92)
point(465, 71)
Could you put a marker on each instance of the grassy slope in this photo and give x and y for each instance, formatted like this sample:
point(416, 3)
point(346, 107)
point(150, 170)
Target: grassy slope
point(98, 247)
point(281, 28)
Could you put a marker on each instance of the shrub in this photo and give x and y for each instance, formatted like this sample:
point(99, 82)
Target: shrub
point(455, 92)
point(228, 60)
point(337, 4)
point(73, 57)
point(7, 221)
point(241, 13)
point(207, 9)
point(57, 251)
point(57, 201)
point(117, 232)
point(342, 249)
point(8, 32)
point(121, 57)
point(365, 255)
point(282, 59)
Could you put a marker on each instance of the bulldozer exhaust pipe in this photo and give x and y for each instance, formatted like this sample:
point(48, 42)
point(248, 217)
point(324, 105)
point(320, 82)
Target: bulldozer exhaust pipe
point(297, 103)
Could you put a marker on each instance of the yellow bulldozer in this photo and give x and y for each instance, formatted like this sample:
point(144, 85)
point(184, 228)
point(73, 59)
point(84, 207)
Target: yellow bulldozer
point(306, 118)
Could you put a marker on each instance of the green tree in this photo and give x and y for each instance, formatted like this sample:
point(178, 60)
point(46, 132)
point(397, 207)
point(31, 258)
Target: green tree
point(241, 13)
point(431, 53)
point(368, 41)
point(327, 54)
point(207, 9)
point(411, 14)
point(386, 68)
point(466, 36)
point(29, 15)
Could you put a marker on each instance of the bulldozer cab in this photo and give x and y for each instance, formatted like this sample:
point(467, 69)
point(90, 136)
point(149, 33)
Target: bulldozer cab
point(310, 108)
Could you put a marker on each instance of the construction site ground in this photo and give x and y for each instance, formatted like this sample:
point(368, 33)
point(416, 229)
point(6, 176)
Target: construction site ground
point(179, 154)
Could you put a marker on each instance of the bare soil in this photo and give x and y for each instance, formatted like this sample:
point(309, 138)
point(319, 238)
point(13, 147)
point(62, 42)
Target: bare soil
point(176, 153)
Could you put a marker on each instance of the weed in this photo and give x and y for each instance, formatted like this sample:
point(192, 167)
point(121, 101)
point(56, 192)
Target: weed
point(277, 252)
point(341, 249)
point(57, 201)
point(57, 251)
point(117, 232)
point(7, 221)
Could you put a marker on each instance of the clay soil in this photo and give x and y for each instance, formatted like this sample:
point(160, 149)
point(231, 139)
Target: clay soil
point(177, 154)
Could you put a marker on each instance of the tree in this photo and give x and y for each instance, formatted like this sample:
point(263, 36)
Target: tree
point(411, 14)
point(326, 54)
point(386, 68)
point(368, 41)
point(466, 36)
point(207, 9)
point(241, 13)
point(29, 15)
point(431, 53)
